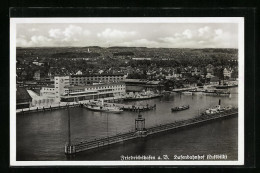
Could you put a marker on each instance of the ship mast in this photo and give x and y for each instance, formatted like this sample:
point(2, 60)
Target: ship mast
point(107, 124)
point(69, 139)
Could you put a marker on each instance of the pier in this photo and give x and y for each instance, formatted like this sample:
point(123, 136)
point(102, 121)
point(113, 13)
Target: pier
point(141, 131)
point(47, 108)
point(134, 108)
point(65, 105)
point(125, 107)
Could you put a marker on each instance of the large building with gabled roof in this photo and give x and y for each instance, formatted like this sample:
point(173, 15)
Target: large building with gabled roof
point(23, 98)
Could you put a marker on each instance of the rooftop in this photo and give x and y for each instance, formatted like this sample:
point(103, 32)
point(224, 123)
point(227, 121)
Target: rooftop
point(153, 82)
point(22, 94)
point(214, 79)
point(32, 94)
point(89, 75)
point(91, 86)
point(136, 80)
point(49, 86)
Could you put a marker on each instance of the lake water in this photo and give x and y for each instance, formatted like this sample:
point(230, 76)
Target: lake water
point(42, 136)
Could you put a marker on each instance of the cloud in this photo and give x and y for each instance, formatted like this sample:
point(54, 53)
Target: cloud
point(204, 30)
point(20, 41)
point(219, 31)
point(141, 43)
point(72, 30)
point(201, 38)
point(187, 33)
point(55, 33)
point(86, 32)
point(33, 29)
point(70, 33)
point(40, 39)
point(170, 39)
point(115, 34)
point(36, 40)
point(185, 36)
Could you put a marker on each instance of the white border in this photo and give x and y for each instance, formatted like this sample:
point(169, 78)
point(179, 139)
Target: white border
point(14, 21)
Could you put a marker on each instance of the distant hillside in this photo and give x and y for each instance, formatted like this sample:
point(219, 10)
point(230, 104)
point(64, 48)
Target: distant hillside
point(138, 52)
point(123, 54)
point(75, 55)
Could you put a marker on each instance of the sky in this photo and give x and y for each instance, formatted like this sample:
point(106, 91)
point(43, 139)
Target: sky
point(152, 35)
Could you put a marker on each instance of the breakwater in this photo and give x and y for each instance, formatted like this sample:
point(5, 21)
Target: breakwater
point(141, 131)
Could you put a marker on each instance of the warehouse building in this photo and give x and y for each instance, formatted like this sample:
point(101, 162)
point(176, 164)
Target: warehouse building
point(97, 78)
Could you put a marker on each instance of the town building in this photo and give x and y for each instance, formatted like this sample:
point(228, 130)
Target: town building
point(214, 80)
point(210, 68)
point(169, 76)
point(95, 78)
point(196, 72)
point(92, 92)
point(177, 75)
point(209, 75)
point(34, 85)
point(48, 92)
point(38, 63)
point(231, 81)
point(79, 73)
point(227, 72)
point(37, 75)
point(40, 101)
point(138, 85)
point(139, 59)
point(23, 75)
point(56, 90)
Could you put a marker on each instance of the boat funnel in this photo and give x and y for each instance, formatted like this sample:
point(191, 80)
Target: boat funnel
point(219, 102)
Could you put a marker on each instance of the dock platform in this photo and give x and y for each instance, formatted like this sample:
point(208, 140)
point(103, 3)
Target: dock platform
point(183, 89)
point(47, 108)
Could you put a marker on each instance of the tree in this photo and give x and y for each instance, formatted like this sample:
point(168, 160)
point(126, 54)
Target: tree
point(234, 74)
point(168, 84)
point(204, 71)
point(220, 73)
point(192, 80)
point(199, 83)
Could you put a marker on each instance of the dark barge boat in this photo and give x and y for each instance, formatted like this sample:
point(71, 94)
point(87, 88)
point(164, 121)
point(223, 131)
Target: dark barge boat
point(181, 108)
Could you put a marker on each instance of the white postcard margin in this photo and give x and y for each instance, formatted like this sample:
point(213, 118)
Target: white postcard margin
point(14, 21)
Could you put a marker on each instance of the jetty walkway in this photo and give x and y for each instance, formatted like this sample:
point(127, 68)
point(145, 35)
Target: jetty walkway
point(63, 105)
point(183, 89)
point(48, 108)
